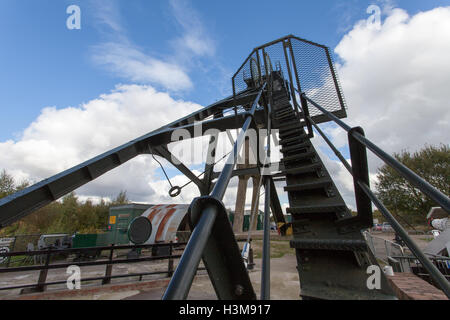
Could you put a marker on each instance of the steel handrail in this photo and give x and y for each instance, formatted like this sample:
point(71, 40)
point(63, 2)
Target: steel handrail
point(180, 284)
point(76, 250)
point(423, 185)
point(432, 192)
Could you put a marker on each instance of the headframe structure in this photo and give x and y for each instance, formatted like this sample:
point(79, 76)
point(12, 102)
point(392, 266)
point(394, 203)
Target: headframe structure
point(289, 85)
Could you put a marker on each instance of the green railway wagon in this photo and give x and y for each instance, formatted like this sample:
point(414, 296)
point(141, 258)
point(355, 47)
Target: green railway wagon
point(246, 223)
point(118, 221)
point(120, 218)
point(91, 240)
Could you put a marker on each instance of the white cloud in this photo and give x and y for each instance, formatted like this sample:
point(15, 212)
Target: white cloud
point(396, 79)
point(128, 61)
point(117, 54)
point(194, 38)
point(107, 14)
point(396, 82)
point(62, 138)
point(133, 64)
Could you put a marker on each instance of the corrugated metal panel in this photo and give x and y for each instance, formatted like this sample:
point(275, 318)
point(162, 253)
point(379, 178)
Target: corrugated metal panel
point(165, 219)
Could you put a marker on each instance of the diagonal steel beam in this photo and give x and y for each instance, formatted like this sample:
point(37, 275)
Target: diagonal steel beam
point(166, 154)
point(210, 159)
point(209, 166)
point(213, 240)
point(18, 205)
point(275, 204)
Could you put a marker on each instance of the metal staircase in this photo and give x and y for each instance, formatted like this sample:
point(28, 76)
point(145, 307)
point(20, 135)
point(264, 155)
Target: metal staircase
point(327, 259)
point(301, 92)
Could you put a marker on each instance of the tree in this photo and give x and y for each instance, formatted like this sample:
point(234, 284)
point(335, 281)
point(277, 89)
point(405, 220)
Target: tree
point(67, 215)
point(7, 184)
point(400, 196)
point(121, 198)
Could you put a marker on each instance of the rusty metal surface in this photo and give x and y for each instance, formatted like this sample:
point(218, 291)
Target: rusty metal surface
point(165, 219)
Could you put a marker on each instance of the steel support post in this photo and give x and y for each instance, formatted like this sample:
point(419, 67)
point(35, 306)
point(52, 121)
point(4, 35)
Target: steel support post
point(360, 172)
point(43, 273)
point(303, 101)
point(213, 240)
point(265, 274)
point(210, 158)
point(108, 271)
point(291, 85)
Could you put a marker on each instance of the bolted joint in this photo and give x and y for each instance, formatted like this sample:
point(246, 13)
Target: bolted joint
point(247, 114)
point(199, 204)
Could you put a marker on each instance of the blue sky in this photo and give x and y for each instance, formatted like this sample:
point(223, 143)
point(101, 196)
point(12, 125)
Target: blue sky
point(115, 79)
point(43, 63)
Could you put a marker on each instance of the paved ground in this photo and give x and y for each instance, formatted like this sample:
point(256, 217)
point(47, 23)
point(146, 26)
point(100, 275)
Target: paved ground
point(284, 284)
point(420, 239)
point(284, 278)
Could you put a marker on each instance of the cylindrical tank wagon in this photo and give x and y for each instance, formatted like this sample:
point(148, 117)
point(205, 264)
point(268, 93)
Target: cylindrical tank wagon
point(159, 224)
point(139, 224)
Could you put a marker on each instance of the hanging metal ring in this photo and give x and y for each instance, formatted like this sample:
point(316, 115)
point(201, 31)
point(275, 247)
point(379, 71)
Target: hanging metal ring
point(174, 191)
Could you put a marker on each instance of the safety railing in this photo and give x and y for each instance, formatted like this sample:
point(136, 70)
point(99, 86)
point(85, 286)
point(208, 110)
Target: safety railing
point(308, 67)
point(383, 249)
point(364, 196)
point(212, 238)
point(403, 263)
point(49, 259)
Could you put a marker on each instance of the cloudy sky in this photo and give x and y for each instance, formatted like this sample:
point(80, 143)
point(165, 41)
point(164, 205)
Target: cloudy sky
point(69, 95)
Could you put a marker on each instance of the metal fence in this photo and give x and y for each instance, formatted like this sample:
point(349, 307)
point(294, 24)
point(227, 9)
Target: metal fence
point(57, 259)
point(394, 255)
point(365, 197)
point(382, 248)
point(307, 66)
point(406, 263)
point(53, 259)
point(317, 76)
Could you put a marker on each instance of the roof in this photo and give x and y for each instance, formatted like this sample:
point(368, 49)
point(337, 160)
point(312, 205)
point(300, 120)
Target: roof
point(437, 213)
point(132, 206)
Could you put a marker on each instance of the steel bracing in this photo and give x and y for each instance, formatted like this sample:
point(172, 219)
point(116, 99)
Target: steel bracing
point(288, 86)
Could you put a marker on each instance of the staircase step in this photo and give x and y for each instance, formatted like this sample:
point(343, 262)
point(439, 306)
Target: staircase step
point(303, 169)
point(282, 121)
point(292, 139)
point(296, 147)
point(284, 111)
point(299, 156)
point(330, 244)
point(282, 108)
point(318, 184)
point(280, 98)
point(285, 118)
point(315, 209)
point(288, 133)
point(294, 125)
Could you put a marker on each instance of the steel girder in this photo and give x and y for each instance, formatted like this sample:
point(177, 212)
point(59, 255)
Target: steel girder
point(24, 202)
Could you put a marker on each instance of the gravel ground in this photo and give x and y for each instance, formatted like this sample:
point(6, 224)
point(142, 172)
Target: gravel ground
point(284, 276)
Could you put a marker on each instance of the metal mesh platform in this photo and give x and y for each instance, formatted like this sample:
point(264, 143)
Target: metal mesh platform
point(307, 66)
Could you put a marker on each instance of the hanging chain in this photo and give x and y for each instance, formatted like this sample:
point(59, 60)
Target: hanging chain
point(176, 190)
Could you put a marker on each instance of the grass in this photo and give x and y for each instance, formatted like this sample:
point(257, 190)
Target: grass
point(278, 249)
point(18, 261)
